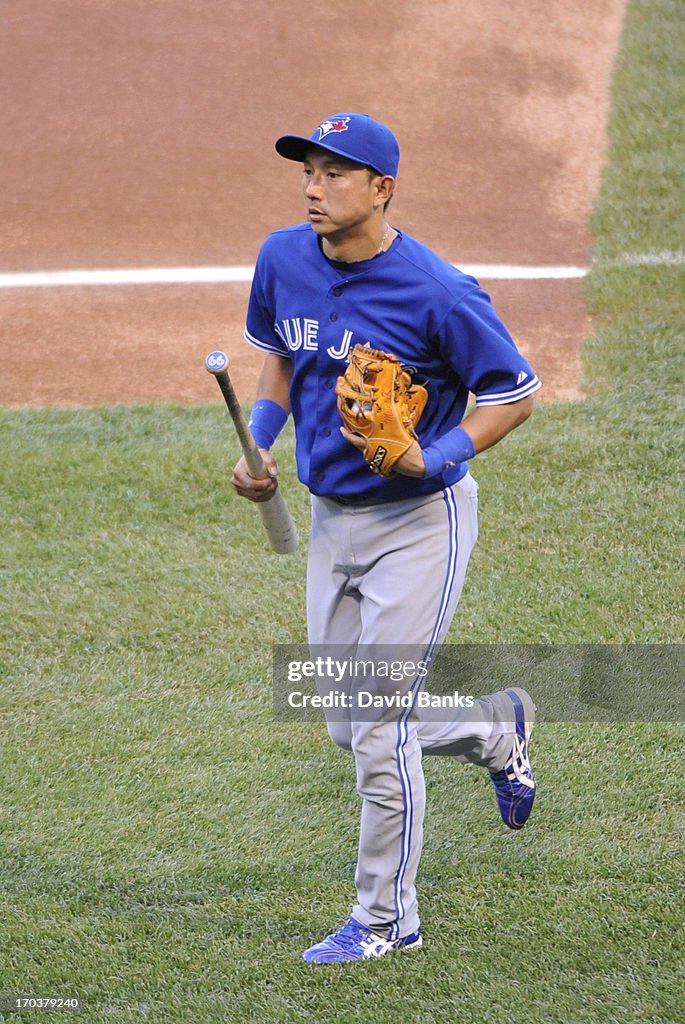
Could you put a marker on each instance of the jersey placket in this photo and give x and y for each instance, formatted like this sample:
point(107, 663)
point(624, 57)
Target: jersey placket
point(330, 343)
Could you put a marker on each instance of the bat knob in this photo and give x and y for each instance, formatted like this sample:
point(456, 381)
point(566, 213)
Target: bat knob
point(216, 362)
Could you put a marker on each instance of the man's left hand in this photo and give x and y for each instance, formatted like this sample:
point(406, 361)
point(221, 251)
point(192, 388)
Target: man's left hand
point(409, 464)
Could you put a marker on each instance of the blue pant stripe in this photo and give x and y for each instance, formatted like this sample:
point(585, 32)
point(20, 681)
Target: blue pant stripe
point(402, 728)
point(452, 517)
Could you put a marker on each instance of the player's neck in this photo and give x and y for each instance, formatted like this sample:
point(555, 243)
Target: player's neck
point(355, 250)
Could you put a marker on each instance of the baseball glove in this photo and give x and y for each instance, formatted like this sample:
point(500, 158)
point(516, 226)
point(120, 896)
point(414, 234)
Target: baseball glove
point(377, 399)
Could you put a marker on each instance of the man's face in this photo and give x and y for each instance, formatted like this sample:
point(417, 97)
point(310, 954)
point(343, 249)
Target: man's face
point(340, 197)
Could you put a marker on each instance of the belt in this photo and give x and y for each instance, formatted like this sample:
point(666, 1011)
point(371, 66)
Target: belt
point(373, 497)
point(356, 499)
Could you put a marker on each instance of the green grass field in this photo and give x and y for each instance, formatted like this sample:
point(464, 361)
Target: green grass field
point(167, 850)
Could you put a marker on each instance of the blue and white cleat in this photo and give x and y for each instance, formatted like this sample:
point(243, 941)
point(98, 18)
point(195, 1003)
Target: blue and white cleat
point(515, 783)
point(354, 941)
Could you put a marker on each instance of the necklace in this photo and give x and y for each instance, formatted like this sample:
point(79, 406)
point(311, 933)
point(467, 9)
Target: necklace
point(380, 247)
point(364, 258)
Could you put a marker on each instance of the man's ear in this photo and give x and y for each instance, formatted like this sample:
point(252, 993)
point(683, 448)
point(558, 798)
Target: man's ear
point(385, 187)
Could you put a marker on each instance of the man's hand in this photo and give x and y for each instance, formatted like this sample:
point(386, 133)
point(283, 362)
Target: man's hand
point(378, 401)
point(256, 490)
point(409, 464)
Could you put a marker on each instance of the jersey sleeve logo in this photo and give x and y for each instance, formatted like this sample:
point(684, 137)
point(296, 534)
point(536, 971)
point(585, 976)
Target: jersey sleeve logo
point(328, 127)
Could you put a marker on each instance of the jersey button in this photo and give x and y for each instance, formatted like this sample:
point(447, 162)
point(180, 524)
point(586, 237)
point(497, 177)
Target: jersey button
point(337, 292)
point(328, 384)
point(333, 316)
point(326, 431)
point(320, 476)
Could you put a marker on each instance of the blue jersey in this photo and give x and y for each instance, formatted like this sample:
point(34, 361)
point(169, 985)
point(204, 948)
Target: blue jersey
point(406, 301)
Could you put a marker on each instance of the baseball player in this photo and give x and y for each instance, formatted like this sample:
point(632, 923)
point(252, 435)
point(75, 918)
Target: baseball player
point(382, 537)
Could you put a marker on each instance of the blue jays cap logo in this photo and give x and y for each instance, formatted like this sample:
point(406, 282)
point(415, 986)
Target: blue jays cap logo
point(326, 127)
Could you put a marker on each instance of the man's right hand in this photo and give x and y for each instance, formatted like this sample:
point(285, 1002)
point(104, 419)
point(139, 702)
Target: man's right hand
point(256, 490)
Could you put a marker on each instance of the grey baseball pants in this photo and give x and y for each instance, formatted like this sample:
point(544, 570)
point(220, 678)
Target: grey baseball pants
point(379, 575)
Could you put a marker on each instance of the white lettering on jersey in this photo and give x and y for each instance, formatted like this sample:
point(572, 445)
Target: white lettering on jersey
point(298, 332)
point(341, 352)
point(311, 335)
point(296, 341)
point(290, 331)
point(301, 332)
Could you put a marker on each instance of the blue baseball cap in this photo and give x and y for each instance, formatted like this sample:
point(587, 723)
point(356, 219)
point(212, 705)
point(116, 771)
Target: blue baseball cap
point(355, 136)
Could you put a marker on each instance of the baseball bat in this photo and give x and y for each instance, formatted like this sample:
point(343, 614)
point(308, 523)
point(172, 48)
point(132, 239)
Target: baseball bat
point(278, 523)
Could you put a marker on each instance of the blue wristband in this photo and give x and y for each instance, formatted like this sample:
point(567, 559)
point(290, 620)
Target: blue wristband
point(452, 448)
point(267, 421)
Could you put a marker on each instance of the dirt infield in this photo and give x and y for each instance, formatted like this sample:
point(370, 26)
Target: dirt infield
point(141, 135)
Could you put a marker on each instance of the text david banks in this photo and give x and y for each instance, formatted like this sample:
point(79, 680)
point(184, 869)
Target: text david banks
point(361, 699)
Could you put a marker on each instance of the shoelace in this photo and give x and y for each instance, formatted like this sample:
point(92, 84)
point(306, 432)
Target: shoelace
point(520, 765)
point(350, 930)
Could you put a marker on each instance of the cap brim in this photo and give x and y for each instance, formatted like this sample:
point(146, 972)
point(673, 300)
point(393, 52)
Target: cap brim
point(293, 147)
point(296, 147)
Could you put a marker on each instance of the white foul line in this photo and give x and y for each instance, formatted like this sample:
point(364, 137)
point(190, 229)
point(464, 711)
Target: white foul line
point(149, 275)
point(235, 275)
point(503, 272)
point(238, 275)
